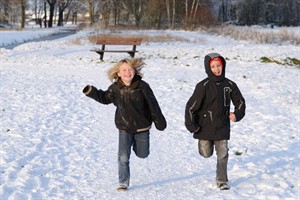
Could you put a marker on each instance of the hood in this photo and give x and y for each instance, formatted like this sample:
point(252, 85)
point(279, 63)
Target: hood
point(210, 74)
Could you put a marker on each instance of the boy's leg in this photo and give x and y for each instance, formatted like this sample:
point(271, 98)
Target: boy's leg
point(205, 148)
point(222, 160)
point(125, 142)
point(141, 144)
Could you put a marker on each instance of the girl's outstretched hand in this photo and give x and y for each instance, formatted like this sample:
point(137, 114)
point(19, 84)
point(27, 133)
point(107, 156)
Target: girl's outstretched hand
point(87, 89)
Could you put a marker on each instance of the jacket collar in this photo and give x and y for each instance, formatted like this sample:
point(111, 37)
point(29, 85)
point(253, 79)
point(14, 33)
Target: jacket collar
point(134, 83)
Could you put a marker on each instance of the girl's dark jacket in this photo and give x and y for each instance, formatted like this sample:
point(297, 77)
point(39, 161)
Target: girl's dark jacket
point(209, 107)
point(136, 105)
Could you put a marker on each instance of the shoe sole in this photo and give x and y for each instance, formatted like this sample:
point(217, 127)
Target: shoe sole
point(223, 187)
point(227, 188)
point(121, 189)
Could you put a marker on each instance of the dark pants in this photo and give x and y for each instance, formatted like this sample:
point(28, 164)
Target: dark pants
point(206, 149)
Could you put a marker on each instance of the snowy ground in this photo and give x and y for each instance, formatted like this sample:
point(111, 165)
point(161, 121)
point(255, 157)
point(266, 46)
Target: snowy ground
point(58, 144)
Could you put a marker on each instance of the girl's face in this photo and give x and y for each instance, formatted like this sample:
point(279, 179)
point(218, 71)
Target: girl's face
point(126, 73)
point(216, 68)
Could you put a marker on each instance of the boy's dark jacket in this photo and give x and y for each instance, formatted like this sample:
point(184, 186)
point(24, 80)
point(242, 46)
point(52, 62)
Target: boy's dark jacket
point(209, 106)
point(136, 105)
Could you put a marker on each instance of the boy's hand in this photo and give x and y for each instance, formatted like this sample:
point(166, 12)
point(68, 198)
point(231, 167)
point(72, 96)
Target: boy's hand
point(197, 131)
point(232, 117)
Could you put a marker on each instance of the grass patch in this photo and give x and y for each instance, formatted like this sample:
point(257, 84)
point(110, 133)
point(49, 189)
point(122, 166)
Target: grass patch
point(288, 61)
point(265, 60)
point(278, 35)
point(263, 36)
point(238, 153)
point(76, 41)
point(294, 61)
point(145, 38)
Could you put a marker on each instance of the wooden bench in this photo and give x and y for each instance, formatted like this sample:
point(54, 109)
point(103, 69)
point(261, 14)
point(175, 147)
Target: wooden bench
point(117, 41)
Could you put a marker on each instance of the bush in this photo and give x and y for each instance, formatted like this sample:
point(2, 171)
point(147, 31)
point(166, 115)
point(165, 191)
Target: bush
point(256, 34)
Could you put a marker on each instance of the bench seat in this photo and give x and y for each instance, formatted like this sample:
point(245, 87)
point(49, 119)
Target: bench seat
point(117, 41)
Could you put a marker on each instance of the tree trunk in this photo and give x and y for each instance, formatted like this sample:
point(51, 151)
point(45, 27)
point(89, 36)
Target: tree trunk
point(35, 12)
point(168, 13)
point(22, 13)
point(116, 13)
point(45, 15)
point(91, 11)
point(60, 21)
point(51, 12)
point(62, 7)
point(186, 13)
point(174, 12)
point(196, 10)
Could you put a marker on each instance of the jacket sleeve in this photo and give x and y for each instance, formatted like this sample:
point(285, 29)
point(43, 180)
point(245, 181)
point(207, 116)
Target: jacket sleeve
point(104, 97)
point(155, 111)
point(238, 102)
point(192, 108)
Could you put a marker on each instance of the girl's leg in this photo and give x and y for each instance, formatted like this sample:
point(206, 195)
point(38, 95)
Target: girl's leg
point(222, 156)
point(206, 148)
point(125, 142)
point(141, 144)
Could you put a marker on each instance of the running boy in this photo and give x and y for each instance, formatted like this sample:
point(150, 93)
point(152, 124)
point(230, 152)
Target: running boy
point(208, 116)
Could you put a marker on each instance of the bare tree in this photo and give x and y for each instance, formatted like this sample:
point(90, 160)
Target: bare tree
point(225, 10)
point(174, 13)
point(116, 10)
point(38, 11)
point(92, 10)
point(22, 13)
point(171, 19)
point(126, 12)
point(190, 12)
point(45, 15)
point(154, 13)
point(250, 12)
point(105, 8)
point(73, 10)
point(62, 5)
point(51, 11)
point(199, 12)
point(137, 7)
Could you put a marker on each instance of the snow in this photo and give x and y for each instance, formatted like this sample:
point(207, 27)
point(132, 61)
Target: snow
point(9, 37)
point(58, 144)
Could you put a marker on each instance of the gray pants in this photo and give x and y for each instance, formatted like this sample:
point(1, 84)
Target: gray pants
point(206, 149)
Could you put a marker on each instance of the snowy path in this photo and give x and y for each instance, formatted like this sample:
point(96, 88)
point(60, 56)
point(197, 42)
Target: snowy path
point(58, 144)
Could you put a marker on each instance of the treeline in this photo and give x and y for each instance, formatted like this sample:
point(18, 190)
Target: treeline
point(158, 14)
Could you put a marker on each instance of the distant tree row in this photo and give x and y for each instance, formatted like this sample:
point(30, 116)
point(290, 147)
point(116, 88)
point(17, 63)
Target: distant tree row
point(187, 14)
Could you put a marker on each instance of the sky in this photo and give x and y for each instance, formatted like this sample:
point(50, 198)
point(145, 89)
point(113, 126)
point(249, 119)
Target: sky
point(56, 143)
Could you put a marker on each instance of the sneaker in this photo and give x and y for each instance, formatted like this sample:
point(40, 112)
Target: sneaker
point(223, 186)
point(121, 189)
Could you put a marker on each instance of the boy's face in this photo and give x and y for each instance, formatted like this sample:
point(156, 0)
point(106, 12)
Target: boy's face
point(216, 68)
point(126, 73)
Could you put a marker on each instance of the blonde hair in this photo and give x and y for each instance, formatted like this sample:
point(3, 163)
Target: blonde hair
point(137, 64)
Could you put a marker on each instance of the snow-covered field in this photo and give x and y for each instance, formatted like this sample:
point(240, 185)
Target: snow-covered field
point(58, 144)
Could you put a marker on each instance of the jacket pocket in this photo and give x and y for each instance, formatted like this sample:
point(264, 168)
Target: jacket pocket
point(205, 118)
point(227, 93)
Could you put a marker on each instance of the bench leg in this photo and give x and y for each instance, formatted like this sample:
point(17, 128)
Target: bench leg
point(101, 55)
point(131, 54)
